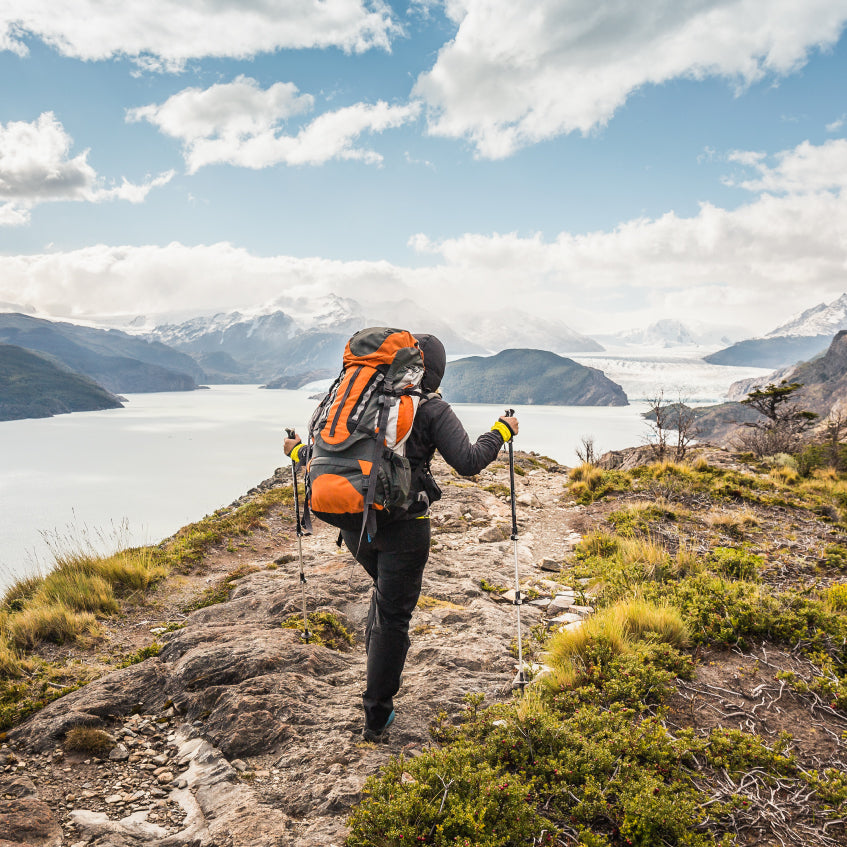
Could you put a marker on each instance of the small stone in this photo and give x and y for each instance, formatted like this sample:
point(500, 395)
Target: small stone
point(113, 798)
point(239, 765)
point(567, 618)
point(119, 754)
point(550, 565)
point(498, 532)
point(165, 778)
point(584, 611)
point(561, 603)
point(160, 760)
point(407, 779)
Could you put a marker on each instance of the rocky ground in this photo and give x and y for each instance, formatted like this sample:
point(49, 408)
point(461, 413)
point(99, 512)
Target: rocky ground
point(240, 733)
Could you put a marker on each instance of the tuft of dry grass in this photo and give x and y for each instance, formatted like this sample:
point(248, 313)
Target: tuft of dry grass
point(650, 555)
point(700, 465)
point(667, 467)
point(77, 590)
point(87, 739)
point(785, 475)
point(643, 621)
point(48, 622)
point(612, 632)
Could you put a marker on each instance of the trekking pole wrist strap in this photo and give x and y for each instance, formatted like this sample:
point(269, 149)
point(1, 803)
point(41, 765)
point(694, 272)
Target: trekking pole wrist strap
point(504, 429)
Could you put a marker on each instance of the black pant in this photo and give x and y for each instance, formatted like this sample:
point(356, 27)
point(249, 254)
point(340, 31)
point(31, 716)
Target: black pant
point(395, 560)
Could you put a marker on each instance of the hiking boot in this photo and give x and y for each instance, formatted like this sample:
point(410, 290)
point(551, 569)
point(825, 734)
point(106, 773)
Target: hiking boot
point(378, 736)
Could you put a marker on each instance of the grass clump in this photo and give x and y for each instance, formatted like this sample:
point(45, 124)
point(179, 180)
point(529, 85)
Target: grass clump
point(325, 628)
point(53, 622)
point(587, 483)
point(638, 518)
point(88, 740)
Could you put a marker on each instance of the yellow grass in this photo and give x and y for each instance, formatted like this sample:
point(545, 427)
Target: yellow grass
point(43, 622)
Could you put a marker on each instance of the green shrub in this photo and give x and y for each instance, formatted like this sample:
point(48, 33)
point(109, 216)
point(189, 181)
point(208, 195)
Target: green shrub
point(736, 563)
point(447, 797)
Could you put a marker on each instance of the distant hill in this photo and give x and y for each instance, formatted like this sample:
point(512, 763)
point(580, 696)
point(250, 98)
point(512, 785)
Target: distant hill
point(824, 382)
point(803, 337)
point(770, 352)
point(530, 377)
point(33, 386)
point(113, 359)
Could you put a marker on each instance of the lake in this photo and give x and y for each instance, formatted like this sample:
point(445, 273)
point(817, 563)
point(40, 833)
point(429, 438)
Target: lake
point(165, 460)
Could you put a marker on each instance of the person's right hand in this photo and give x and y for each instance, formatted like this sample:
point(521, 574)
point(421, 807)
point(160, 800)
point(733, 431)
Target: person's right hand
point(290, 443)
point(512, 423)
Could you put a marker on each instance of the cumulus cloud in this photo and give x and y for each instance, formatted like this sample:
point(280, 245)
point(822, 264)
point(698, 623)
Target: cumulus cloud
point(165, 34)
point(754, 265)
point(516, 74)
point(239, 123)
point(36, 167)
point(806, 168)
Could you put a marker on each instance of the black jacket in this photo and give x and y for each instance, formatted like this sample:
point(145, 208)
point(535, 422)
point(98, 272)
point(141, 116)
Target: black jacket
point(436, 427)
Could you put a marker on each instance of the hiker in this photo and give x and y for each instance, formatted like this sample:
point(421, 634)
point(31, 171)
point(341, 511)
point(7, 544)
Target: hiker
point(396, 555)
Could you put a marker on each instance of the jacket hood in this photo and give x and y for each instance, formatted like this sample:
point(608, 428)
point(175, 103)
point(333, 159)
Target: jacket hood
point(435, 361)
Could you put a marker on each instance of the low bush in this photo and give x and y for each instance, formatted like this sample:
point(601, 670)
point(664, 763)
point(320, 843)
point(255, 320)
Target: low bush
point(738, 563)
point(88, 740)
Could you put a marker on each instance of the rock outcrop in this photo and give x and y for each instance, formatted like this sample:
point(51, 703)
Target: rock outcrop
point(238, 733)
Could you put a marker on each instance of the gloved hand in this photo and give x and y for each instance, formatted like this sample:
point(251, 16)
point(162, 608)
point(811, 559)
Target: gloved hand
point(290, 445)
point(507, 426)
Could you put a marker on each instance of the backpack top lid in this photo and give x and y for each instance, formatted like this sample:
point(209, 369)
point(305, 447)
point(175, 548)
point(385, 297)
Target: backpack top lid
point(376, 346)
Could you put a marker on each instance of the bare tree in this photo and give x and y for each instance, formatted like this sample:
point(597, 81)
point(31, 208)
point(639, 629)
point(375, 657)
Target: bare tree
point(834, 427)
point(586, 453)
point(664, 418)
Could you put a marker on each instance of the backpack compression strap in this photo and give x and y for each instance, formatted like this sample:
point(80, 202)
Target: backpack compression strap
point(368, 514)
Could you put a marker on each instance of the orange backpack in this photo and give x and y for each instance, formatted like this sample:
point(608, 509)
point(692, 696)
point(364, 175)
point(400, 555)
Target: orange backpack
point(357, 468)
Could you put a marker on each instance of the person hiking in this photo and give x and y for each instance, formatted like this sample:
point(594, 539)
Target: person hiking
point(396, 555)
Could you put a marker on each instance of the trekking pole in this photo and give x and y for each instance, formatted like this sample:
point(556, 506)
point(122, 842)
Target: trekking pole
point(520, 680)
point(291, 434)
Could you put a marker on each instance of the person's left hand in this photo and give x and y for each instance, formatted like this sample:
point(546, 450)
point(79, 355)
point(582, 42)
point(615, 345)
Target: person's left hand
point(290, 443)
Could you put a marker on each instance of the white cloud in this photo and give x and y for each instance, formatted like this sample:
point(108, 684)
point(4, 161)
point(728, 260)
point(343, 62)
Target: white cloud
point(836, 124)
point(239, 123)
point(755, 265)
point(806, 168)
point(517, 73)
point(164, 34)
point(36, 167)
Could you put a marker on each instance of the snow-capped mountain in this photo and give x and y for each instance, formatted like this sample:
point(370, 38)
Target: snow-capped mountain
point(666, 332)
point(509, 328)
point(823, 319)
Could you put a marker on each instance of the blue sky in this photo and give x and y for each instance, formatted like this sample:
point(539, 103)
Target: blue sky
point(604, 163)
